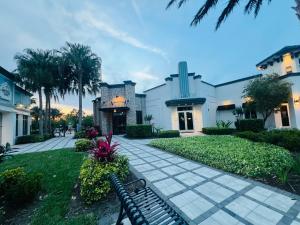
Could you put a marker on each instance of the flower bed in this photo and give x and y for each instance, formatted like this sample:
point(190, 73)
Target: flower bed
point(231, 154)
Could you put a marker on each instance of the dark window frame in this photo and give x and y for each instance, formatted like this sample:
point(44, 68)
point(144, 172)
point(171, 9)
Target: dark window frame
point(139, 117)
point(25, 124)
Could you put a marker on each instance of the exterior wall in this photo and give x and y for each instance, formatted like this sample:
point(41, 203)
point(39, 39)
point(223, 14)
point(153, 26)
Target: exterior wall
point(140, 105)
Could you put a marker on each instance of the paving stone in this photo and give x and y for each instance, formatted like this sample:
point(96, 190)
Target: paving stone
point(192, 204)
point(132, 157)
point(169, 186)
point(172, 170)
point(161, 163)
point(298, 216)
point(214, 191)
point(175, 160)
point(207, 172)
point(221, 218)
point(189, 178)
point(295, 223)
point(144, 155)
point(189, 165)
point(154, 175)
point(151, 159)
point(232, 182)
point(164, 156)
point(143, 167)
point(137, 162)
point(242, 206)
point(271, 198)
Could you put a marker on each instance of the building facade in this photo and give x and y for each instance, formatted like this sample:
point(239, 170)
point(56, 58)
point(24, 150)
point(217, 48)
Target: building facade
point(15, 119)
point(187, 103)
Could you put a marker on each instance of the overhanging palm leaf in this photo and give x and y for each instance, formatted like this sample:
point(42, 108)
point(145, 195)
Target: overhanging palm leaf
point(297, 8)
point(251, 6)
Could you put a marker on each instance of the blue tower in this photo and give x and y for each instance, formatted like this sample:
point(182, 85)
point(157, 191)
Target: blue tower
point(183, 80)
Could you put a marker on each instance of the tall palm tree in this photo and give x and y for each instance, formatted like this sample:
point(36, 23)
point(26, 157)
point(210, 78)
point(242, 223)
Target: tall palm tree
point(33, 70)
point(83, 71)
point(251, 6)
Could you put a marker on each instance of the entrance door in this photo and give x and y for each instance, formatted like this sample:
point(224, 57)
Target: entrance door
point(119, 122)
point(285, 116)
point(185, 119)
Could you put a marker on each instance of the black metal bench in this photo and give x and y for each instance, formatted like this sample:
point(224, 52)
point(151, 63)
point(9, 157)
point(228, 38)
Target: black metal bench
point(142, 205)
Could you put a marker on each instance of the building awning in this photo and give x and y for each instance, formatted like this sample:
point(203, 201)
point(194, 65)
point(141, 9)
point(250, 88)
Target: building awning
point(112, 109)
point(226, 107)
point(185, 101)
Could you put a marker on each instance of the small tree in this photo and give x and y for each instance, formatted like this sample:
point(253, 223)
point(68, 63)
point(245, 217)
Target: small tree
point(148, 118)
point(267, 93)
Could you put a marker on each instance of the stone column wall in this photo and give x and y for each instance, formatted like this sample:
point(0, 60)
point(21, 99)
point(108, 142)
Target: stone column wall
point(130, 96)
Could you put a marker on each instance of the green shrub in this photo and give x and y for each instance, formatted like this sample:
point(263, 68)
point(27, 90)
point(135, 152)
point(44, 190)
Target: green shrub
point(217, 131)
point(168, 134)
point(32, 138)
point(94, 177)
point(254, 125)
point(231, 154)
point(80, 134)
point(289, 139)
point(83, 145)
point(138, 131)
point(17, 186)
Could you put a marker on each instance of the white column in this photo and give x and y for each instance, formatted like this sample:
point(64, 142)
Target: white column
point(8, 127)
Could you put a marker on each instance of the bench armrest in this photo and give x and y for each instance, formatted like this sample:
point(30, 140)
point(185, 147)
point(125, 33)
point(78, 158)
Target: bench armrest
point(134, 183)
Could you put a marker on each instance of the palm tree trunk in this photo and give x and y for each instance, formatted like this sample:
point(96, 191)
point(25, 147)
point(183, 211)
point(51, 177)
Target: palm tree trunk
point(80, 102)
point(49, 114)
point(41, 131)
point(46, 114)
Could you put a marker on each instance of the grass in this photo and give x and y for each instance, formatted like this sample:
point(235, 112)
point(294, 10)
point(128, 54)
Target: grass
point(60, 169)
point(231, 154)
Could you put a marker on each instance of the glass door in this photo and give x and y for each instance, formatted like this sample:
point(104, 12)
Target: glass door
point(185, 119)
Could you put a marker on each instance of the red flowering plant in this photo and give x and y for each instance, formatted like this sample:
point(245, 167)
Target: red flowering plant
point(92, 133)
point(105, 151)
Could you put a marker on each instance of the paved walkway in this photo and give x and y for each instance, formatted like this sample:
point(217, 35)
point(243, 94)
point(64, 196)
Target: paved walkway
point(51, 144)
point(206, 196)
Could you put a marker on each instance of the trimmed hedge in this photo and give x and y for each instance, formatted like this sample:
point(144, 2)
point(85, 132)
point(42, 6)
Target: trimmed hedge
point(94, 177)
point(289, 139)
point(18, 187)
point(168, 134)
point(83, 145)
point(217, 131)
point(32, 138)
point(254, 125)
point(139, 131)
point(231, 154)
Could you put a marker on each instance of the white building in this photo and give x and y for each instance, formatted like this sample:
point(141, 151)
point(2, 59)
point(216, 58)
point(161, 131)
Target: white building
point(187, 103)
point(15, 119)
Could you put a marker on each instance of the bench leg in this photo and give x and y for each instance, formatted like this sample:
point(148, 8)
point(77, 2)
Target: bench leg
point(121, 216)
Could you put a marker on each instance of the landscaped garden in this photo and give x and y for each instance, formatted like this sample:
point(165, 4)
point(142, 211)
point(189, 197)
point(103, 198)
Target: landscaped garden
point(262, 161)
point(62, 186)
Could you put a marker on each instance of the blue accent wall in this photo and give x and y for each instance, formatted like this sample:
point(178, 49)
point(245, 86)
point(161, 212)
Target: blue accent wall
point(183, 80)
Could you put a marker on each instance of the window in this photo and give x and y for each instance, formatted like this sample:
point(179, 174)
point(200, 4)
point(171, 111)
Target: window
point(139, 117)
point(17, 125)
point(288, 69)
point(25, 125)
point(185, 108)
point(250, 114)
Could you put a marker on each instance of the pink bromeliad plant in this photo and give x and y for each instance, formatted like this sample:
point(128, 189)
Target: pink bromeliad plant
point(92, 133)
point(105, 151)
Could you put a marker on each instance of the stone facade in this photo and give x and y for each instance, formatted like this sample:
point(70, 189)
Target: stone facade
point(117, 106)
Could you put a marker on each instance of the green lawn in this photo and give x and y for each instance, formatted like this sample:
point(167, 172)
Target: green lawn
point(231, 154)
point(60, 169)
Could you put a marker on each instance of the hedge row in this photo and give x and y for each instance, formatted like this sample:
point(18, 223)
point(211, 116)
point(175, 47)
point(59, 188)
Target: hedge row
point(139, 131)
point(168, 134)
point(254, 125)
point(289, 139)
point(32, 138)
point(217, 131)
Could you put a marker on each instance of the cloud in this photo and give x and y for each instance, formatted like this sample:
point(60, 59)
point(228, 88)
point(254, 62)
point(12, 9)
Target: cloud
point(137, 12)
point(145, 75)
point(88, 18)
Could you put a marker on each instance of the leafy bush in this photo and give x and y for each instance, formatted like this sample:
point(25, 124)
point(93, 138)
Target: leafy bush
point(139, 131)
point(168, 134)
point(217, 131)
point(231, 154)
point(80, 134)
point(32, 138)
point(223, 124)
point(94, 177)
point(289, 139)
point(104, 150)
point(17, 186)
point(91, 133)
point(83, 145)
point(254, 125)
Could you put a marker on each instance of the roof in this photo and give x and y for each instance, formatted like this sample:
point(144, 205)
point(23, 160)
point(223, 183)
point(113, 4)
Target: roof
point(23, 90)
point(294, 49)
point(126, 82)
point(155, 87)
point(239, 80)
point(185, 101)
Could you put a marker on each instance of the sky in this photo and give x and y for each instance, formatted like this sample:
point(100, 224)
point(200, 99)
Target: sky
point(140, 40)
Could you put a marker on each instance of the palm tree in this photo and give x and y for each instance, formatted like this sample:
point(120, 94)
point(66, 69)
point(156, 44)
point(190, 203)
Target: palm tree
point(251, 6)
point(55, 113)
point(297, 8)
point(33, 70)
point(83, 70)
